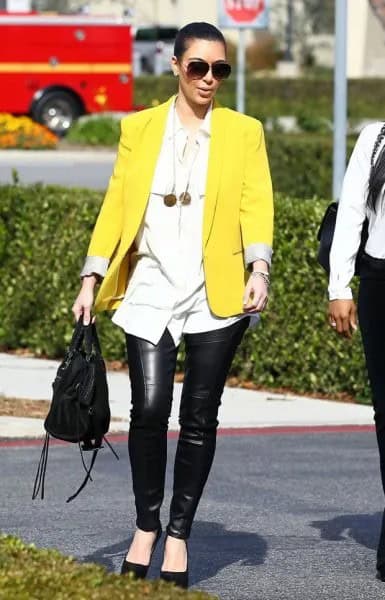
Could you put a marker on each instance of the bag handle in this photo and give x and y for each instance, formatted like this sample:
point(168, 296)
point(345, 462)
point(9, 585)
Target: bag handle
point(91, 340)
point(81, 333)
point(77, 336)
point(86, 333)
point(95, 340)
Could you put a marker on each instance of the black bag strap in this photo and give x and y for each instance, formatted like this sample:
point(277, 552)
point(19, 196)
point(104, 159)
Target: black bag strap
point(41, 470)
point(87, 477)
point(111, 448)
point(95, 446)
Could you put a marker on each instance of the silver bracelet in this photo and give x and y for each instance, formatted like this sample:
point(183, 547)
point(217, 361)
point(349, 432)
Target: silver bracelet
point(263, 274)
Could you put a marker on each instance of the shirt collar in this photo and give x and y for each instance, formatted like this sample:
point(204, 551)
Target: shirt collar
point(206, 124)
point(205, 127)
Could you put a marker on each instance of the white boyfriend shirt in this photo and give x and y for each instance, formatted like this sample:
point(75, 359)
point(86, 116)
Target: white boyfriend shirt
point(167, 287)
point(352, 212)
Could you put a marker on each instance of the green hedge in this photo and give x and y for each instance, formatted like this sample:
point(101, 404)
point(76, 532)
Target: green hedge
point(95, 131)
point(302, 165)
point(273, 97)
point(45, 236)
point(27, 573)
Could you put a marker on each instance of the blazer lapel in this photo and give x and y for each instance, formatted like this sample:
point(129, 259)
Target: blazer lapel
point(216, 153)
point(148, 153)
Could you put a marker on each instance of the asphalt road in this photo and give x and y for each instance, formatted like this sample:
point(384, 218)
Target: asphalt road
point(283, 517)
point(90, 169)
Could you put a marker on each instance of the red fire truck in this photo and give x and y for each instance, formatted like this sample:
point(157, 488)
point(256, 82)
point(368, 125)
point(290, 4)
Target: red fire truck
point(57, 67)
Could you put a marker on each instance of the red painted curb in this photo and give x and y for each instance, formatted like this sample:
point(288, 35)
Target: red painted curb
point(223, 432)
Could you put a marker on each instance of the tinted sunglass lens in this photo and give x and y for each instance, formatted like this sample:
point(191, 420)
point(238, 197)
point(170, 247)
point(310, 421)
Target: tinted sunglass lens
point(197, 68)
point(221, 70)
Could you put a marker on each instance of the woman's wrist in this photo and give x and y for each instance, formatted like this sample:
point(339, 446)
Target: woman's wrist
point(262, 275)
point(260, 265)
point(260, 269)
point(89, 281)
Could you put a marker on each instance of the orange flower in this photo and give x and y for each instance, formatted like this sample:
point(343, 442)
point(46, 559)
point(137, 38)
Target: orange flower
point(22, 132)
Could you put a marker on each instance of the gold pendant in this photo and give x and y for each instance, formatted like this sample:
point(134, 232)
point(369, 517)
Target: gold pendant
point(169, 199)
point(185, 198)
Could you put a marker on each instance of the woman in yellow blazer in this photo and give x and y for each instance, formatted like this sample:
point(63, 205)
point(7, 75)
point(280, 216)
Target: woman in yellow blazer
point(182, 248)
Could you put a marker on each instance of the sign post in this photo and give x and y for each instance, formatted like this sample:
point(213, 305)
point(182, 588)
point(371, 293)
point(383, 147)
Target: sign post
point(340, 97)
point(242, 14)
point(241, 69)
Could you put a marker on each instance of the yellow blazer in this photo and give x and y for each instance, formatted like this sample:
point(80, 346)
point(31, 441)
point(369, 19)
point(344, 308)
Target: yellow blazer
point(238, 211)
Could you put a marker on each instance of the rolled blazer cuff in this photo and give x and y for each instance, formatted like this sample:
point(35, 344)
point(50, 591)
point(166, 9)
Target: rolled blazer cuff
point(95, 264)
point(258, 252)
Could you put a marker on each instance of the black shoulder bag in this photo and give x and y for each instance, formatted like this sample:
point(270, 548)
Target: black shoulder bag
point(79, 412)
point(325, 237)
point(326, 231)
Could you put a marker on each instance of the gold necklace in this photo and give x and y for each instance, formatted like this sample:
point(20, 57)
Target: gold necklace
point(185, 197)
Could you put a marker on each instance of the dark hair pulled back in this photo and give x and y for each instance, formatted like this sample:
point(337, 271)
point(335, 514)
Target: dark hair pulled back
point(377, 173)
point(196, 31)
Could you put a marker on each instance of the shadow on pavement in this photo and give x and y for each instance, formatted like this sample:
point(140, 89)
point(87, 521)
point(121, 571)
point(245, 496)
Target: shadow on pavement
point(363, 529)
point(211, 549)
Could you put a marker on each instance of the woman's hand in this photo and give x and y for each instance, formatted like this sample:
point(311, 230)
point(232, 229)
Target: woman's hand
point(343, 317)
point(256, 295)
point(85, 300)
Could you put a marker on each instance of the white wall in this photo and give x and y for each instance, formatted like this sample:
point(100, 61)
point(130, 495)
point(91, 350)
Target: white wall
point(174, 12)
point(374, 61)
point(146, 12)
point(357, 31)
point(18, 5)
point(366, 42)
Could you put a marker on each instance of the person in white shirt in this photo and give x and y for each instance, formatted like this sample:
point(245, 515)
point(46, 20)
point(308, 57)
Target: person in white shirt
point(362, 202)
point(182, 247)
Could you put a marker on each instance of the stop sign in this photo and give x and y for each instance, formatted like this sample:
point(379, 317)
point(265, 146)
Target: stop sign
point(244, 11)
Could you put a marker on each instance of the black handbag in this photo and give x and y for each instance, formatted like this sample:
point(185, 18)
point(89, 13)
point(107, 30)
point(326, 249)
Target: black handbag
point(325, 238)
point(79, 412)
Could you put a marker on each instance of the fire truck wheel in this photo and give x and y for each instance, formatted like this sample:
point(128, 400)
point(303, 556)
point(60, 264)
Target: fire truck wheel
point(57, 109)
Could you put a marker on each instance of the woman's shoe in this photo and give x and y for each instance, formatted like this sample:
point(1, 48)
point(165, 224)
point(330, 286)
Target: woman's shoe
point(180, 578)
point(140, 571)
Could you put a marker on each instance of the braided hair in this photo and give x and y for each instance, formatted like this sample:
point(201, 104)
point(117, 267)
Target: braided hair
point(377, 172)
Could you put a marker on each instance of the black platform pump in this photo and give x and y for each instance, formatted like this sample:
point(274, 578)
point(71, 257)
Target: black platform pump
point(140, 571)
point(179, 578)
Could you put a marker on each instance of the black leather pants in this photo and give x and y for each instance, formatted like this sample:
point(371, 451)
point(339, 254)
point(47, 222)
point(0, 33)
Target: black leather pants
point(152, 368)
point(371, 314)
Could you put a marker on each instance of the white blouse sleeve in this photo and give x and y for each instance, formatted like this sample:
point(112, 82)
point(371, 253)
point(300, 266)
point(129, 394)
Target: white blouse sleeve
point(350, 217)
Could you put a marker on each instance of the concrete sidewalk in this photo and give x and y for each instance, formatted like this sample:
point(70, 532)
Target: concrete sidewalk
point(32, 378)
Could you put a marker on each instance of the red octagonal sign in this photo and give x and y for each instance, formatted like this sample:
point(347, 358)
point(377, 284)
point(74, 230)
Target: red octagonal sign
point(244, 11)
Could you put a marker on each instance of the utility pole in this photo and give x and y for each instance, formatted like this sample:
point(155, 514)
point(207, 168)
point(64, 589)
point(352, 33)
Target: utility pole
point(241, 68)
point(288, 56)
point(340, 97)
